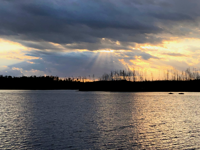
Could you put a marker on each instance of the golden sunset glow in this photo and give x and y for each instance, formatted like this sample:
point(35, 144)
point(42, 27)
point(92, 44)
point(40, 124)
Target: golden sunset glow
point(12, 50)
point(6, 45)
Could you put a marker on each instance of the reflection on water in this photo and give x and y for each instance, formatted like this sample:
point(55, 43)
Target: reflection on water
point(98, 120)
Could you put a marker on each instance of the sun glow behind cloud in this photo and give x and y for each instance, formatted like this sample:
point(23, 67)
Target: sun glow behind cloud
point(105, 51)
point(12, 53)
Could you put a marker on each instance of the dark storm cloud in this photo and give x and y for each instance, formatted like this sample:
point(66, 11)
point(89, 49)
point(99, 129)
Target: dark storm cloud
point(85, 21)
point(175, 54)
point(40, 45)
point(103, 44)
point(131, 55)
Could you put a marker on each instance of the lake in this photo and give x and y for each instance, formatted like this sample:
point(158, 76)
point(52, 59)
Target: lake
point(67, 119)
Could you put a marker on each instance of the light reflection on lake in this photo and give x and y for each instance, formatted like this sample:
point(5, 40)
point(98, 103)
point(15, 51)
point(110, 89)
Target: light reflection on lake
point(98, 120)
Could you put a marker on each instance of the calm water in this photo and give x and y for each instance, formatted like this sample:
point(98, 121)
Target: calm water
point(98, 120)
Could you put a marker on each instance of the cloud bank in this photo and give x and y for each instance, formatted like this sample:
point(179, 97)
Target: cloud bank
point(86, 22)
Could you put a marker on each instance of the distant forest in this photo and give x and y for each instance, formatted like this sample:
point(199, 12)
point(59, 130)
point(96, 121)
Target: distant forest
point(121, 80)
point(33, 82)
point(134, 75)
point(168, 75)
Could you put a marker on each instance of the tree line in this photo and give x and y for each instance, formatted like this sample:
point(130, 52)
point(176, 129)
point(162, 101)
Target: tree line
point(118, 75)
point(135, 75)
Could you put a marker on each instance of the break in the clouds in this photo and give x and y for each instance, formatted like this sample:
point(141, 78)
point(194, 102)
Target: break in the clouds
point(146, 31)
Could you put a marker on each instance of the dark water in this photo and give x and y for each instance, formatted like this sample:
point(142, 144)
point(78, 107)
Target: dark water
point(98, 120)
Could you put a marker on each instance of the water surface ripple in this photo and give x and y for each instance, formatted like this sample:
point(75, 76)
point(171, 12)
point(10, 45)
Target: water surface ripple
point(98, 120)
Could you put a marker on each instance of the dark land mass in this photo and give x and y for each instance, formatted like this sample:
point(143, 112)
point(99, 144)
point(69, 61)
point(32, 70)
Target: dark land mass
point(145, 86)
point(53, 83)
point(38, 83)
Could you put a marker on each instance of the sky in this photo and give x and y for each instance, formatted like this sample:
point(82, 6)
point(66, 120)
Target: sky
point(68, 38)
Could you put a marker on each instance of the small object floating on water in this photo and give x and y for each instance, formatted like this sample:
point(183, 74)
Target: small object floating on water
point(180, 93)
point(171, 93)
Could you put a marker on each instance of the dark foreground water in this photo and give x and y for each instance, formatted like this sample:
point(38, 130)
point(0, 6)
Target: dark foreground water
point(98, 120)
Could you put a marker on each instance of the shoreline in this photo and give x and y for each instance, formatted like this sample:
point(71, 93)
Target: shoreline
point(99, 90)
